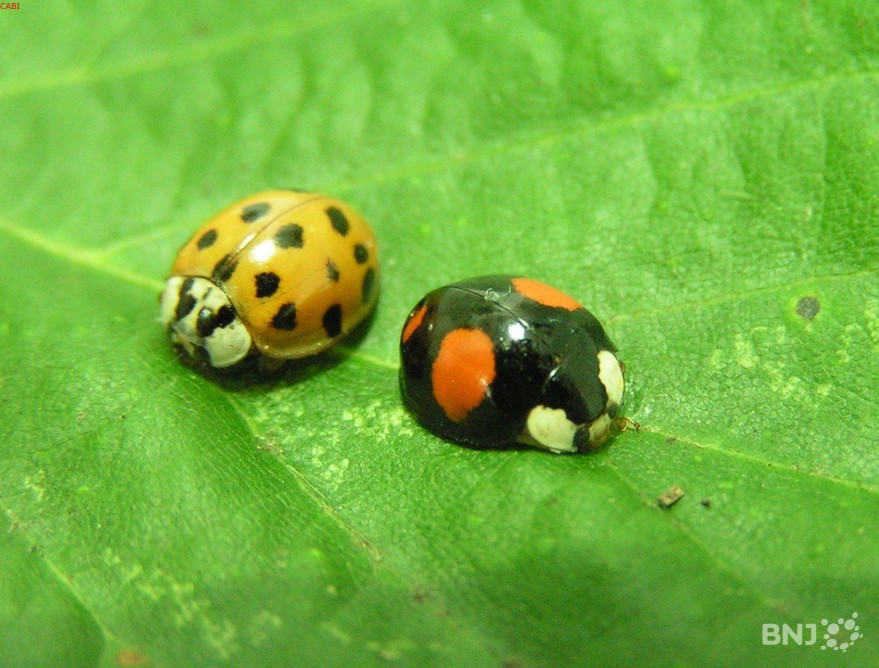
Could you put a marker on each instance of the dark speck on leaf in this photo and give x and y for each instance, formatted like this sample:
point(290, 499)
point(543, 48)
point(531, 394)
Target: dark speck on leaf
point(808, 307)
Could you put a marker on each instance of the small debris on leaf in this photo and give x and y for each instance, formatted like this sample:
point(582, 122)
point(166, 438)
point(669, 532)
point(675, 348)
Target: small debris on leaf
point(670, 497)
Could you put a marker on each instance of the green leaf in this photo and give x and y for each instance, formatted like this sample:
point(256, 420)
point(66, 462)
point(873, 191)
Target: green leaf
point(701, 175)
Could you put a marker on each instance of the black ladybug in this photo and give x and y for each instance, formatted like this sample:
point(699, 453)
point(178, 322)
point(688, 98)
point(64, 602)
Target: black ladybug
point(493, 361)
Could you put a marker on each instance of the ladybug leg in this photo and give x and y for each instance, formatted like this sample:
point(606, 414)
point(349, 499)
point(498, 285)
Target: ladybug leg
point(621, 424)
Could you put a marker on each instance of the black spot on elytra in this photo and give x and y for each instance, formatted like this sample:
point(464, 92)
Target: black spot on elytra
point(808, 307)
point(209, 320)
point(289, 236)
point(267, 283)
point(332, 271)
point(338, 220)
point(185, 301)
point(224, 269)
point(253, 212)
point(333, 320)
point(368, 285)
point(207, 239)
point(360, 253)
point(285, 318)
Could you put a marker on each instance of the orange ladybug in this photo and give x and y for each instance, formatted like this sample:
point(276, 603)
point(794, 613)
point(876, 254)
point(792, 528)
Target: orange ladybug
point(282, 274)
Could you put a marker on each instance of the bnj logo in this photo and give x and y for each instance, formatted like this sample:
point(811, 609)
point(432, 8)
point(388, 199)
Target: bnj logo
point(838, 636)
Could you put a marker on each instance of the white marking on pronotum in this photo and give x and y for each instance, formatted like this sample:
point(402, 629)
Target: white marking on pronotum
point(225, 345)
point(170, 297)
point(551, 429)
point(611, 376)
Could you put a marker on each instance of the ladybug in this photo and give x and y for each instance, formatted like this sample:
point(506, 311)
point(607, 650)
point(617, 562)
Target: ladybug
point(497, 360)
point(281, 274)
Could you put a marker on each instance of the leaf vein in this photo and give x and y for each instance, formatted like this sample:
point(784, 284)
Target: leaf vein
point(84, 75)
point(871, 489)
point(739, 296)
point(589, 127)
point(78, 256)
point(376, 558)
point(688, 534)
point(65, 582)
point(308, 488)
point(93, 260)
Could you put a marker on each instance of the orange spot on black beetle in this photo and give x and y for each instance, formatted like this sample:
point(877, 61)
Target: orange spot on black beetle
point(463, 369)
point(413, 323)
point(545, 294)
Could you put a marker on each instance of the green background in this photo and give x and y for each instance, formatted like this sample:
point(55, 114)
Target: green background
point(691, 171)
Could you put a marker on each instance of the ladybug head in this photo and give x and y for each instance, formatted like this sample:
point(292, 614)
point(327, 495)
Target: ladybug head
point(576, 410)
point(582, 391)
point(201, 320)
